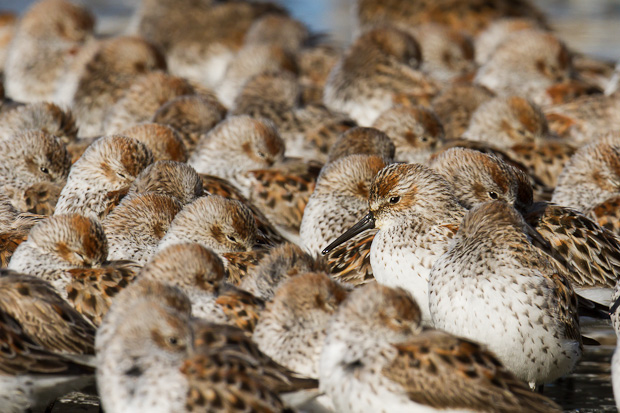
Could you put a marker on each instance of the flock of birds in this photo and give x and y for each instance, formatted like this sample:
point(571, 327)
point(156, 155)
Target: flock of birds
point(224, 212)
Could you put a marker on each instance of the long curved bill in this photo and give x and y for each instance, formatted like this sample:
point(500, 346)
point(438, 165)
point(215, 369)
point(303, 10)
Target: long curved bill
point(368, 222)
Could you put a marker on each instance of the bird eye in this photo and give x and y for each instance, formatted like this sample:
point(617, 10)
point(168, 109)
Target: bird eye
point(394, 200)
point(121, 175)
point(173, 340)
point(493, 195)
point(44, 170)
point(261, 154)
point(423, 138)
point(231, 238)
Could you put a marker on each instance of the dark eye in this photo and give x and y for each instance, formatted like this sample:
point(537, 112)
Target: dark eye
point(394, 200)
point(261, 154)
point(423, 138)
point(173, 340)
point(231, 238)
point(493, 195)
point(44, 170)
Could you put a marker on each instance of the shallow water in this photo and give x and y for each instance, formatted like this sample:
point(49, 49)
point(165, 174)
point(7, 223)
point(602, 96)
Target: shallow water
point(588, 388)
point(588, 26)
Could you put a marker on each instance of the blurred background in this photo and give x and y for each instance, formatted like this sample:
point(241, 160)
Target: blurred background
point(589, 26)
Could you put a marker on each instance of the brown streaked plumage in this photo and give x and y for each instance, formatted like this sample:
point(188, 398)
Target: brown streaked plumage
point(310, 131)
point(519, 127)
point(377, 358)
point(282, 262)
point(267, 233)
point(496, 32)
point(191, 116)
point(200, 39)
point(91, 290)
point(526, 64)
point(70, 251)
point(585, 117)
point(494, 257)
point(106, 77)
point(46, 40)
point(447, 54)
point(362, 141)
point(218, 223)
point(136, 226)
point(44, 315)
point(416, 214)
point(251, 60)
point(292, 328)
point(455, 104)
point(28, 158)
point(164, 142)
point(174, 179)
point(32, 376)
point(469, 16)
point(282, 192)
point(233, 347)
point(199, 272)
point(315, 62)
point(339, 200)
point(45, 116)
point(240, 263)
point(102, 176)
point(591, 176)
point(271, 95)
point(379, 69)
point(14, 229)
point(235, 146)
point(142, 98)
point(416, 132)
point(568, 236)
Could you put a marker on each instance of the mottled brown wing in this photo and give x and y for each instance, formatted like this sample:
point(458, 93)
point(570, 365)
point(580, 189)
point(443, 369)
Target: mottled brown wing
point(41, 198)
point(566, 92)
point(410, 87)
point(16, 234)
point(113, 198)
point(607, 214)
point(282, 191)
point(44, 315)
point(350, 261)
point(593, 251)
point(241, 307)
point(9, 241)
point(267, 234)
point(323, 136)
point(217, 385)
point(439, 370)
point(232, 345)
point(20, 354)
point(218, 186)
point(238, 264)
point(544, 160)
point(91, 289)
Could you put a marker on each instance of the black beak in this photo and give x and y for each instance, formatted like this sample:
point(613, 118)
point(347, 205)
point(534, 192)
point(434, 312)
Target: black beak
point(615, 306)
point(368, 222)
